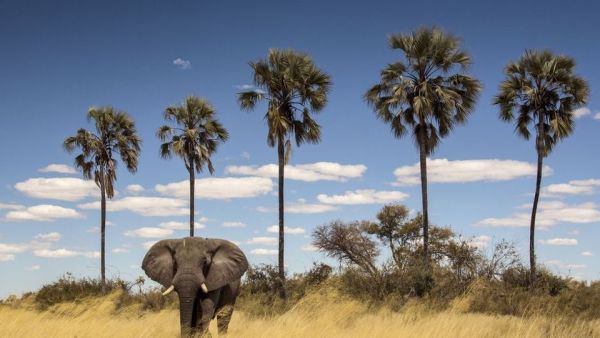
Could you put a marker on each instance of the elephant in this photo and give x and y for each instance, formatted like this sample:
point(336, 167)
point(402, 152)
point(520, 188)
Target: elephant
point(205, 273)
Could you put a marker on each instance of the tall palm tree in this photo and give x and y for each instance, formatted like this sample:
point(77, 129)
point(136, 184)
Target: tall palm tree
point(426, 93)
point(294, 88)
point(115, 134)
point(541, 91)
point(194, 139)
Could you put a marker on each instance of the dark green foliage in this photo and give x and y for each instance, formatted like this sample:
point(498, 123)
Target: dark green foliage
point(196, 135)
point(540, 92)
point(115, 134)
point(425, 93)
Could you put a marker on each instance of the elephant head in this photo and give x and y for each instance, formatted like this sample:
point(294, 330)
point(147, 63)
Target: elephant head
point(191, 265)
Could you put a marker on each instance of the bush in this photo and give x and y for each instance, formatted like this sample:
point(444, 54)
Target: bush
point(318, 274)
point(67, 288)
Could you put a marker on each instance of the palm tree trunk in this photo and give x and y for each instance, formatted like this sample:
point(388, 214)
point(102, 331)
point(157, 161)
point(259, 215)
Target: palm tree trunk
point(192, 192)
point(281, 161)
point(423, 162)
point(102, 232)
point(538, 183)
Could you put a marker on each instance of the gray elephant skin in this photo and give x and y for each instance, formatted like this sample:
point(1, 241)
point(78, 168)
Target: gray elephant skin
point(205, 273)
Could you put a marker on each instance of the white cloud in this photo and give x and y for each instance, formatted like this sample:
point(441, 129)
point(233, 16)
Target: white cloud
point(134, 188)
point(587, 253)
point(33, 268)
point(219, 187)
point(287, 230)
point(7, 248)
point(549, 214)
point(311, 172)
point(581, 112)
point(40, 246)
point(58, 168)
point(62, 188)
point(64, 253)
point(120, 250)
point(42, 213)
point(182, 64)
point(263, 240)
point(49, 237)
point(173, 225)
point(460, 171)
point(245, 155)
point(264, 252)
point(234, 225)
point(575, 187)
point(559, 241)
point(308, 208)
point(11, 206)
point(566, 266)
point(6, 257)
point(480, 242)
point(597, 116)
point(310, 248)
point(364, 196)
point(148, 232)
point(301, 207)
point(145, 206)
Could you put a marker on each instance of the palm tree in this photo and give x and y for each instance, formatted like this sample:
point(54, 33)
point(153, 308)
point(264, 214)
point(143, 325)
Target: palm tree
point(195, 139)
point(115, 134)
point(426, 93)
point(294, 88)
point(541, 91)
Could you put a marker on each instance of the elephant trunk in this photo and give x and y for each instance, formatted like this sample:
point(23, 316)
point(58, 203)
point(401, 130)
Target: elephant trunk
point(188, 282)
point(187, 310)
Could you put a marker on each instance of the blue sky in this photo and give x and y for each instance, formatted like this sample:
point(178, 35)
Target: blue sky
point(58, 58)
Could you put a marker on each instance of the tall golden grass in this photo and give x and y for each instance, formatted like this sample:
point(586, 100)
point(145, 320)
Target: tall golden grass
point(324, 313)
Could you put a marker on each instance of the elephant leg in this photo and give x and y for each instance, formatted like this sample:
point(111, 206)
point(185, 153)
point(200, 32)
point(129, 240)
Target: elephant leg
point(206, 312)
point(223, 319)
point(227, 301)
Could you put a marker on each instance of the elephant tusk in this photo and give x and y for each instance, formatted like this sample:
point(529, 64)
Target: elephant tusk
point(204, 288)
point(169, 290)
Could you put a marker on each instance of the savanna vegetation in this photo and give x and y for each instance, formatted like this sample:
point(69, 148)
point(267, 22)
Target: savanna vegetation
point(469, 292)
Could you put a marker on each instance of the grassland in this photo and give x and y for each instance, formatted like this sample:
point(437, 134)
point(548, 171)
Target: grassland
point(323, 313)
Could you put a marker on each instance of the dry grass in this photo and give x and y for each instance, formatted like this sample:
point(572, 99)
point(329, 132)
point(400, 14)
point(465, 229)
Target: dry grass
point(324, 313)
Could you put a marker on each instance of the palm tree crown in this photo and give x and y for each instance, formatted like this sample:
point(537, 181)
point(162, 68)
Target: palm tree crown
point(115, 134)
point(541, 90)
point(294, 87)
point(196, 136)
point(422, 92)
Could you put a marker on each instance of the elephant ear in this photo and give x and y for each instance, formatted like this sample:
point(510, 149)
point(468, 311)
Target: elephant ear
point(158, 263)
point(228, 264)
